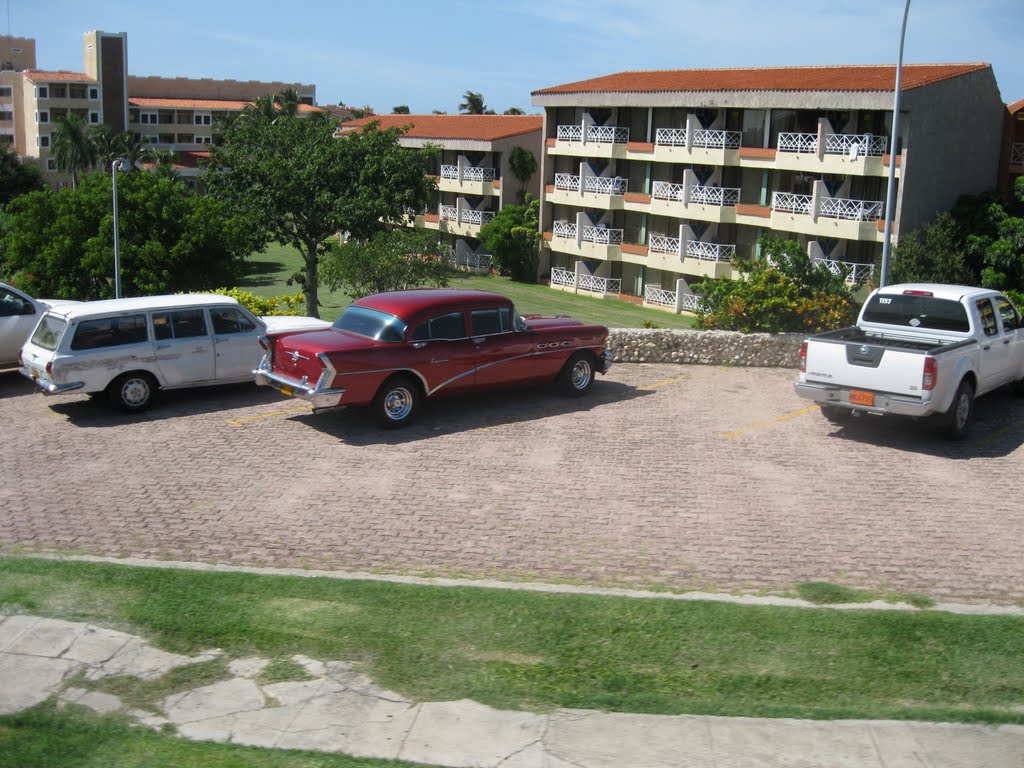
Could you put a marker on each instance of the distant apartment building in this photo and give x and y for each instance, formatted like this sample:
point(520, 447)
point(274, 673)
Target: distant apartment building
point(1012, 164)
point(655, 179)
point(474, 178)
point(178, 114)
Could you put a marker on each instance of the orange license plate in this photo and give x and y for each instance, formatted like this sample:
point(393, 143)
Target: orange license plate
point(860, 397)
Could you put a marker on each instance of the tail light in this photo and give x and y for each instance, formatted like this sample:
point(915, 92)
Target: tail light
point(803, 357)
point(21, 360)
point(931, 371)
point(49, 368)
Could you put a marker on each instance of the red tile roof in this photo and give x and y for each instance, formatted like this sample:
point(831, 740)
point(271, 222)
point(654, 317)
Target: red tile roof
point(211, 104)
point(58, 76)
point(468, 127)
point(835, 78)
point(1016, 107)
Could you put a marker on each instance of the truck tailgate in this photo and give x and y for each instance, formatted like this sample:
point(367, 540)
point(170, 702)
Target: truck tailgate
point(865, 366)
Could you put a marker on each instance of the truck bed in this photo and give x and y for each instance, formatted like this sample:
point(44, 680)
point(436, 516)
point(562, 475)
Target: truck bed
point(856, 335)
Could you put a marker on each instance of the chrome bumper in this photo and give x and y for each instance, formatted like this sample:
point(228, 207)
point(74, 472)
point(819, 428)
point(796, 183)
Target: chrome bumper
point(46, 386)
point(322, 399)
point(606, 362)
point(884, 404)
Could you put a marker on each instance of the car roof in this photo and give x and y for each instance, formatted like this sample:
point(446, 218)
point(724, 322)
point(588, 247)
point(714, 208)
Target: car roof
point(406, 304)
point(939, 290)
point(142, 303)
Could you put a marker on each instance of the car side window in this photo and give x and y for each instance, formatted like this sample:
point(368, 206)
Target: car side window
point(449, 326)
point(229, 320)
point(180, 324)
point(487, 322)
point(110, 332)
point(12, 304)
point(988, 317)
point(1009, 314)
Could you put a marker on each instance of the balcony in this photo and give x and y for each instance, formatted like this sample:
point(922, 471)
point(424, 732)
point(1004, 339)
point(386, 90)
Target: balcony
point(829, 207)
point(570, 281)
point(587, 240)
point(702, 138)
point(662, 298)
point(853, 273)
point(835, 143)
point(695, 249)
point(459, 220)
point(721, 196)
point(1017, 154)
point(598, 185)
point(473, 181)
point(592, 141)
point(824, 216)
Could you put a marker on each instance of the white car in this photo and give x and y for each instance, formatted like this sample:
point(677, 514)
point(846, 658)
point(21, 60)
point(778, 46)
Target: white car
point(19, 314)
point(129, 348)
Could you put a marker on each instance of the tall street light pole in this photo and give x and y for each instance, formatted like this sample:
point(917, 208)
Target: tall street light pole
point(890, 191)
point(118, 166)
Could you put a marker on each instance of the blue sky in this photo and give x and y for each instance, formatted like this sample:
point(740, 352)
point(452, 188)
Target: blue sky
point(427, 54)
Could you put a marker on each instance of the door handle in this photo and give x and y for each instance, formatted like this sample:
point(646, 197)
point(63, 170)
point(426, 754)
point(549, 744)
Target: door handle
point(1006, 341)
point(986, 348)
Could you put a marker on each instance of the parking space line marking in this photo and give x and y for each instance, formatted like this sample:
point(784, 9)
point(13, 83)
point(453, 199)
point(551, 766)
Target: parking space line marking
point(246, 419)
point(763, 424)
point(663, 383)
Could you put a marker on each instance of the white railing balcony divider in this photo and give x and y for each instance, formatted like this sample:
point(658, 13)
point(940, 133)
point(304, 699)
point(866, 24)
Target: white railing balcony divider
point(449, 171)
point(715, 195)
point(852, 210)
point(655, 295)
point(563, 277)
point(605, 185)
point(470, 216)
point(716, 139)
point(798, 142)
point(477, 174)
point(790, 203)
point(691, 302)
point(665, 190)
point(567, 181)
point(564, 229)
point(697, 249)
point(1017, 154)
point(471, 259)
point(569, 133)
point(600, 284)
point(607, 134)
point(663, 244)
point(673, 137)
point(449, 213)
point(840, 143)
point(851, 272)
point(602, 235)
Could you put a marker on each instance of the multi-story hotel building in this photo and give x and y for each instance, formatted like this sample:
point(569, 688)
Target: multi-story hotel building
point(473, 174)
point(1012, 164)
point(178, 114)
point(656, 179)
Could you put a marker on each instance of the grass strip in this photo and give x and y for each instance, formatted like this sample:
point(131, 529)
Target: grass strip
point(539, 652)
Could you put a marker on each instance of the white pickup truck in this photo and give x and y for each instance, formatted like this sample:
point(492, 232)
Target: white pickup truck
point(917, 350)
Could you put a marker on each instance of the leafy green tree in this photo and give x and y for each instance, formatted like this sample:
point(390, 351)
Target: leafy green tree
point(163, 163)
point(782, 291)
point(171, 239)
point(523, 165)
point(287, 101)
point(389, 261)
point(512, 238)
point(106, 145)
point(132, 149)
point(72, 148)
point(297, 184)
point(16, 177)
point(513, 111)
point(473, 104)
point(934, 253)
point(401, 109)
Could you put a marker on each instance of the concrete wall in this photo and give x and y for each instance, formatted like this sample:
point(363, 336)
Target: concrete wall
point(655, 345)
point(205, 88)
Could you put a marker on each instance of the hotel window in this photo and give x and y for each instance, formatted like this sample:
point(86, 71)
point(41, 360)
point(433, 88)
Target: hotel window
point(203, 140)
point(6, 116)
point(6, 92)
point(42, 117)
point(6, 138)
point(42, 92)
point(77, 91)
point(51, 164)
point(94, 94)
point(203, 120)
point(94, 118)
point(44, 140)
point(148, 118)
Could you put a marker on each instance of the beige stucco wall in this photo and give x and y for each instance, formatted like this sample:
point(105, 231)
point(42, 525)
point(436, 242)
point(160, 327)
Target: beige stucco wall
point(205, 88)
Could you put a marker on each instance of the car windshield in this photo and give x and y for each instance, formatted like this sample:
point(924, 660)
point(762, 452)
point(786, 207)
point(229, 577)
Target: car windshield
point(48, 331)
point(917, 311)
point(371, 323)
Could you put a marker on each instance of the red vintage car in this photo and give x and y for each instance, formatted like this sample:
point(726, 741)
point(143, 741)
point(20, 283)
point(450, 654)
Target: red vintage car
point(393, 350)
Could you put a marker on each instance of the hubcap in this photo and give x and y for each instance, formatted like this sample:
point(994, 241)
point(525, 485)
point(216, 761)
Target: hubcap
point(135, 392)
point(581, 374)
point(963, 408)
point(398, 403)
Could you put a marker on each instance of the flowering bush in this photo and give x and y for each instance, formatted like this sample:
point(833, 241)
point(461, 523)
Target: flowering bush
point(264, 305)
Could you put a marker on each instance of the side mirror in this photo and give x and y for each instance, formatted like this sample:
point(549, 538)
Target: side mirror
point(520, 324)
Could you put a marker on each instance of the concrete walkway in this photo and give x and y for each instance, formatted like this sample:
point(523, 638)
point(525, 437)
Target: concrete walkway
point(337, 709)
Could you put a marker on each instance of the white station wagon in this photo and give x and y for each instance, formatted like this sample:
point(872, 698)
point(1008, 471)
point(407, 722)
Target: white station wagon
point(128, 348)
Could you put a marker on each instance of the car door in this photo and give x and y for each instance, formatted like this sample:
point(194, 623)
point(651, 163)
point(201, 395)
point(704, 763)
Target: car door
point(18, 316)
point(1012, 337)
point(184, 348)
point(996, 348)
point(443, 354)
point(504, 356)
point(236, 345)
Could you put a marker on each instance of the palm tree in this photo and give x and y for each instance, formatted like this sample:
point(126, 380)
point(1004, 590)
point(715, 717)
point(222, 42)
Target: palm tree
point(130, 147)
point(473, 104)
point(163, 163)
point(288, 101)
point(71, 147)
point(106, 145)
point(523, 165)
point(513, 111)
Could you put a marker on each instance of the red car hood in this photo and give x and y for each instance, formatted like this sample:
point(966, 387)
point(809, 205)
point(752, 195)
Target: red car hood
point(541, 322)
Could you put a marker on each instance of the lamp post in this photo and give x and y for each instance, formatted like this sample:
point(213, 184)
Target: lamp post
point(890, 191)
point(118, 166)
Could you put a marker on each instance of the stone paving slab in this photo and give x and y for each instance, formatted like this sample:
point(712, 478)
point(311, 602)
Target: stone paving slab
point(327, 714)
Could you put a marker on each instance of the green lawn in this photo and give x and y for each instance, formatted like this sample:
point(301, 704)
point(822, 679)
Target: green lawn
point(536, 651)
point(270, 271)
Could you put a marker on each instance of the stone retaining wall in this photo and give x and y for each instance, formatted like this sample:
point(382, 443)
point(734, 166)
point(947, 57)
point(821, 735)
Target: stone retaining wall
point(655, 345)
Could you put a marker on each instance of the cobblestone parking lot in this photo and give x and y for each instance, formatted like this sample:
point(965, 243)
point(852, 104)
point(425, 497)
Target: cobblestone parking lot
point(694, 477)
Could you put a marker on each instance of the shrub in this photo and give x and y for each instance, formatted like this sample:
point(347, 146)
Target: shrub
point(264, 305)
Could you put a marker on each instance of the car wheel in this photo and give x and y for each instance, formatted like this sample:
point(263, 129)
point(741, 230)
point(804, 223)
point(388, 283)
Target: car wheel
point(1017, 387)
point(133, 392)
point(960, 412)
point(397, 401)
point(836, 414)
point(577, 376)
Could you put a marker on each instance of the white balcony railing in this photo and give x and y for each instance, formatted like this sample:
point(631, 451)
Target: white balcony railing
point(716, 139)
point(564, 229)
point(449, 213)
point(602, 185)
point(664, 190)
point(790, 203)
point(471, 259)
point(599, 134)
point(697, 249)
point(469, 216)
point(673, 137)
point(690, 302)
point(663, 244)
point(1017, 154)
point(714, 195)
point(835, 143)
point(851, 210)
point(853, 273)
point(468, 173)
point(449, 171)
point(591, 283)
point(601, 235)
